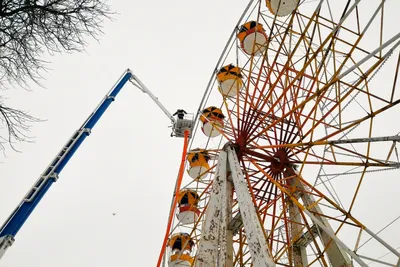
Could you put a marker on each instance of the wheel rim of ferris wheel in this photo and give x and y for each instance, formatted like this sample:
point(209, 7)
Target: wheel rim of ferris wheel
point(280, 150)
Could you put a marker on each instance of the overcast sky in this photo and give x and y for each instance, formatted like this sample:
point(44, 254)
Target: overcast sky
point(129, 163)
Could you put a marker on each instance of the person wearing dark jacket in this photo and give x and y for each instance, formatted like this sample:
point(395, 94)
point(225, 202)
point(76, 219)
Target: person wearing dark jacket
point(180, 113)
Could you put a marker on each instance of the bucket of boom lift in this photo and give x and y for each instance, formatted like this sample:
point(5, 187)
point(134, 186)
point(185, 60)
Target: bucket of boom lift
point(181, 125)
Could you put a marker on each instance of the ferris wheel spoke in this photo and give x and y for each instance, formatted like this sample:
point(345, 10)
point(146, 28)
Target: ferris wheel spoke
point(360, 164)
point(302, 184)
point(291, 84)
point(261, 104)
point(325, 89)
point(359, 121)
point(331, 143)
point(230, 119)
point(396, 73)
point(303, 104)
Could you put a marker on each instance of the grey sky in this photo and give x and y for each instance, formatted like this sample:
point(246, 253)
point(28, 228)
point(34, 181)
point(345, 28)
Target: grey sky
point(129, 163)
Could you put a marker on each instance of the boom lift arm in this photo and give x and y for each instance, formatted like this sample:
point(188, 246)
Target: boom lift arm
point(136, 82)
point(18, 217)
point(179, 125)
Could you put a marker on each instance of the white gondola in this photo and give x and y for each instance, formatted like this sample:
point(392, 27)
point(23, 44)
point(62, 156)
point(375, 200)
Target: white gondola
point(282, 8)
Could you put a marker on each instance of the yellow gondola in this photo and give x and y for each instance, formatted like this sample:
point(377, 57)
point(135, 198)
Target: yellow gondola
point(198, 162)
point(253, 38)
point(181, 241)
point(183, 260)
point(230, 80)
point(181, 244)
point(213, 121)
point(187, 206)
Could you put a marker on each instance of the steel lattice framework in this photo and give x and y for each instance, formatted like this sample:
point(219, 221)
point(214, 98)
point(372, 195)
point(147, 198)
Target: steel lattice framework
point(306, 128)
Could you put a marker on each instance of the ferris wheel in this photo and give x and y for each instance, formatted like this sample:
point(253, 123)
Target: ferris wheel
point(295, 143)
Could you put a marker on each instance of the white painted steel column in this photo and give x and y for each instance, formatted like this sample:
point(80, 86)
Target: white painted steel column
point(208, 245)
point(255, 237)
point(336, 254)
point(225, 258)
point(299, 257)
point(328, 231)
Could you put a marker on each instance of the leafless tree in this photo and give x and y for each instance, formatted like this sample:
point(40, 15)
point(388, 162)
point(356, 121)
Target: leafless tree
point(28, 30)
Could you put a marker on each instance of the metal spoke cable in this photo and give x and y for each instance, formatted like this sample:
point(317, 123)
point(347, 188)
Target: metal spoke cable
point(379, 232)
point(336, 175)
point(372, 262)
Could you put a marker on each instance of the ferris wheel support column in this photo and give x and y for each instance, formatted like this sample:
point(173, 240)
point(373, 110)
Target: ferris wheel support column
point(208, 246)
point(260, 254)
point(225, 234)
point(337, 256)
point(299, 257)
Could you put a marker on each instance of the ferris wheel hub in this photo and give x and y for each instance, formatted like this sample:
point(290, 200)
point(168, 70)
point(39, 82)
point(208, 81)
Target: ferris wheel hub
point(279, 162)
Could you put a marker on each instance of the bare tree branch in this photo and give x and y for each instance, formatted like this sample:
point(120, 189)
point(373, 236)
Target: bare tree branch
point(14, 125)
point(31, 28)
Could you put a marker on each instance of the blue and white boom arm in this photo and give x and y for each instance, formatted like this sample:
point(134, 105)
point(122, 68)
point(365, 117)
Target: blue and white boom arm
point(16, 220)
